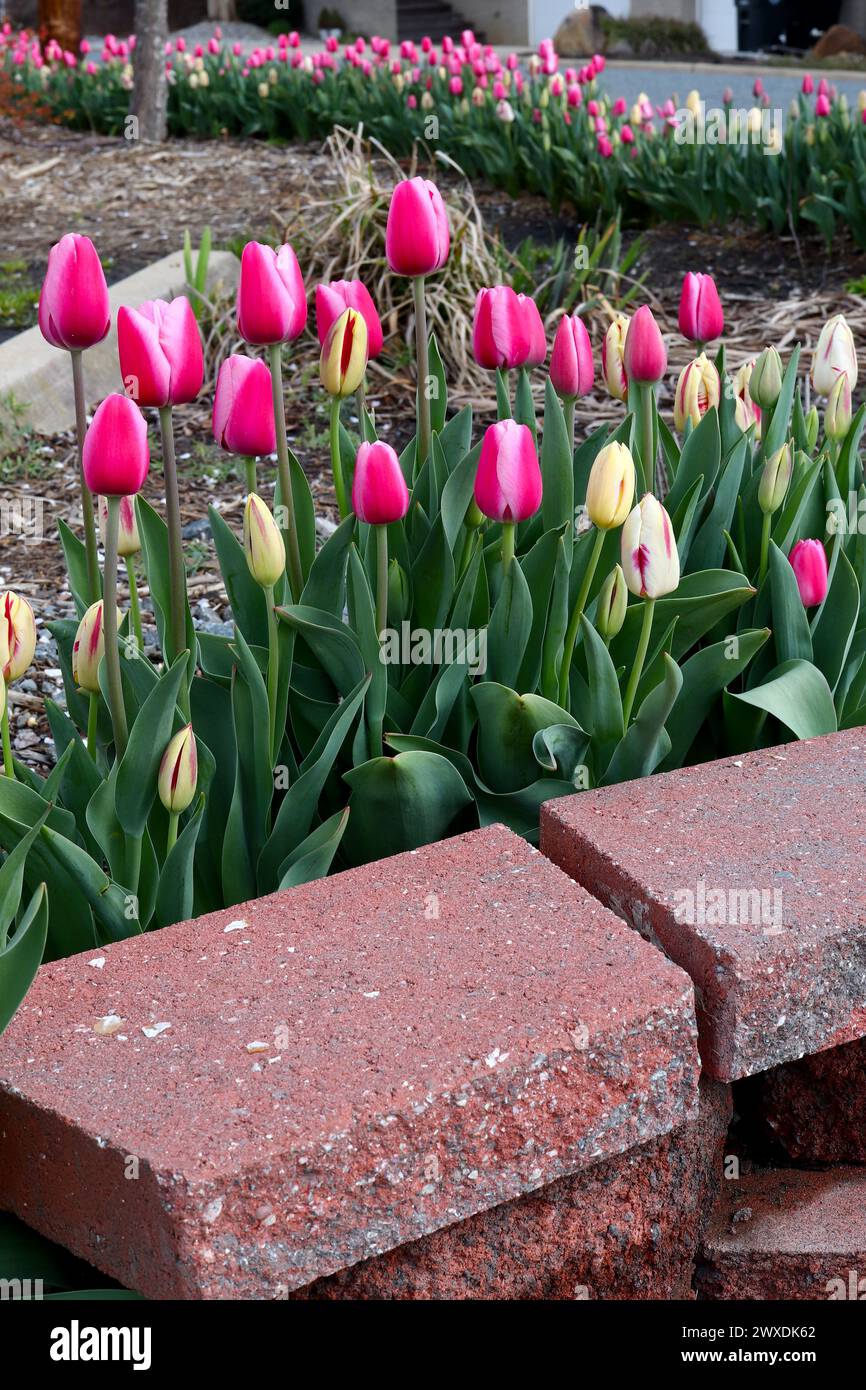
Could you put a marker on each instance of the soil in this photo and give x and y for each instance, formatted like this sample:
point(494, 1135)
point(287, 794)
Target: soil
point(137, 201)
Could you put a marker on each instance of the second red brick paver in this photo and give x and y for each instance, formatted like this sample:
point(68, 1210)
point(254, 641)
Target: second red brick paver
point(751, 874)
point(235, 1106)
point(787, 1234)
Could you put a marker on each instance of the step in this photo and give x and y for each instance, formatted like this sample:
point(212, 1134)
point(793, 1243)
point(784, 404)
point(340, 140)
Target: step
point(777, 837)
point(816, 1108)
point(39, 376)
point(236, 1106)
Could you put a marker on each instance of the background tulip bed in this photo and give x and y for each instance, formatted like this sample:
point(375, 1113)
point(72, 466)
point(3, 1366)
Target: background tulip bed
point(649, 597)
point(548, 128)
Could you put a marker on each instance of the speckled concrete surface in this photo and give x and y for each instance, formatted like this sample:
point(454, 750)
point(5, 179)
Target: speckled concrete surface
point(235, 1106)
point(781, 837)
point(626, 1228)
point(787, 1234)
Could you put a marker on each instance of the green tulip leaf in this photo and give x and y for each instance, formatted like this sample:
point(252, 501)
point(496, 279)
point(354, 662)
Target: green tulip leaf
point(507, 725)
point(138, 770)
point(21, 957)
point(401, 803)
point(797, 694)
point(313, 857)
point(646, 742)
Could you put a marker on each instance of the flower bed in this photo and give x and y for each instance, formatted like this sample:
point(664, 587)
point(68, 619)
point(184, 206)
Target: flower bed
point(541, 130)
point(495, 622)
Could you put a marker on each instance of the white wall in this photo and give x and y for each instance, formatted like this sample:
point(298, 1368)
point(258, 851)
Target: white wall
point(718, 19)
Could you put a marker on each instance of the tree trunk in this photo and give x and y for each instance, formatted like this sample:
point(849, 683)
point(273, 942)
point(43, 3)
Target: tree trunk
point(150, 90)
point(61, 20)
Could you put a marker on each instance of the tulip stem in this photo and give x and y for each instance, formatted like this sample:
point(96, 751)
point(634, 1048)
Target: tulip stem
point(361, 404)
point(250, 470)
point(337, 460)
point(92, 718)
point(293, 550)
point(273, 668)
point(86, 494)
point(171, 837)
point(640, 658)
point(424, 430)
point(765, 547)
point(8, 765)
point(508, 529)
point(568, 411)
point(648, 443)
point(134, 605)
point(109, 617)
point(177, 572)
point(381, 580)
point(576, 614)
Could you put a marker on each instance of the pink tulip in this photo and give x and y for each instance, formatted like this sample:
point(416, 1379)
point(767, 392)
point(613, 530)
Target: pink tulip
point(243, 407)
point(379, 491)
point(809, 563)
point(822, 105)
point(161, 359)
point(701, 316)
point(116, 457)
point(572, 369)
point(73, 306)
point(508, 481)
point(501, 334)
point(808, 84)
point(272, 301)
point(535, 330)
point(417, 238)
point(645, 356)
point(334, 299)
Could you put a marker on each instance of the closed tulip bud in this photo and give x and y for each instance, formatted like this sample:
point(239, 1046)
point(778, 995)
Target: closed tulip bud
point(508, 482)
point(116, 457)
point(837, 416)
point(612, 603)
point(572, 370)
point(379, 492)
point(809, 563)
point(128, 542)
point(612, 359)
point(243, 407)
point(161, 359)
point(417, 237)
point(644, 356)
point(501, 330)
point(178, 772)
point(2, 697)
point(775, 479)
point(263, 543)
point(812, 427)
point(650, 561)
point(765, 382)
point(745, 410)
point(17, 636)
point(698, 391)
point(88, 648)
point(701, 317)
point(834, 353)
point(398, 593)
point(272, 301)
point(74, 311)
point(343, 362)
point(332, 300)
point(535, 330)
point(610, 490)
